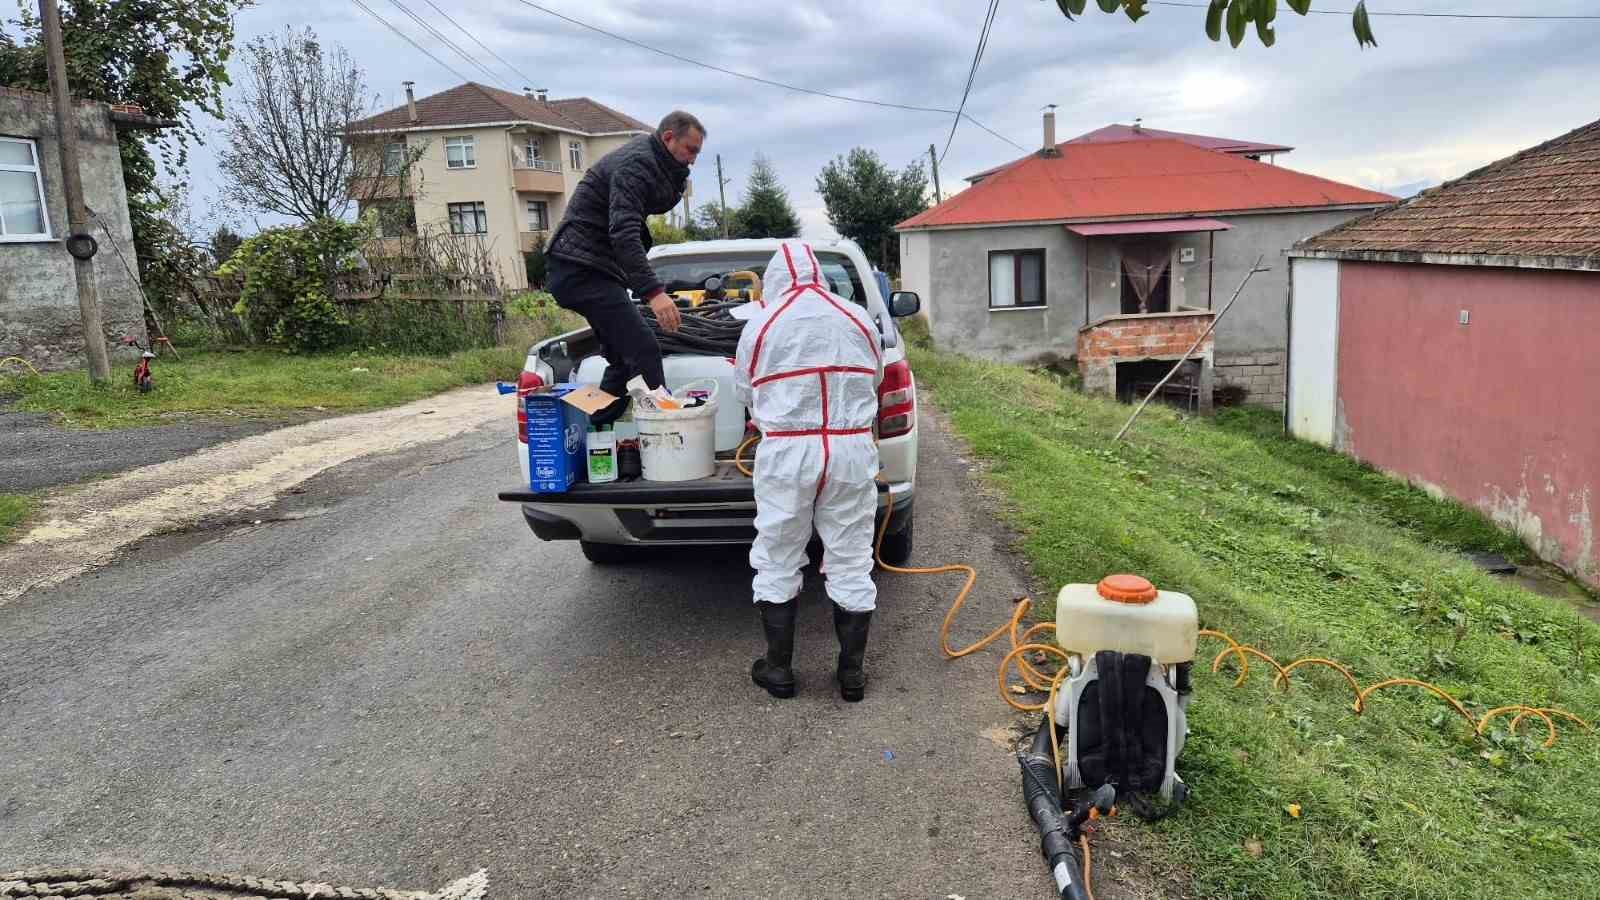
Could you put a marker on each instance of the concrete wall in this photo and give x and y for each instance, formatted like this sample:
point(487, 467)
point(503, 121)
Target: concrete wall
point(39, 318)
point(1499, 413)
point(1250, 342)
point(915, 269)
point(957, 296)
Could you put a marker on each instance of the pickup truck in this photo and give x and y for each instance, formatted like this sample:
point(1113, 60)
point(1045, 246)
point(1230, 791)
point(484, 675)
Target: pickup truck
point(611, 520)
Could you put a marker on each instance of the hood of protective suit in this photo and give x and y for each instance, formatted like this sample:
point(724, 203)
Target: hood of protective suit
point(794, 265)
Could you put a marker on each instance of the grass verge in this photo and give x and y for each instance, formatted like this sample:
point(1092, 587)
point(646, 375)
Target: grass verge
point(14, 510)
point(1304, 552)
point(267, 382)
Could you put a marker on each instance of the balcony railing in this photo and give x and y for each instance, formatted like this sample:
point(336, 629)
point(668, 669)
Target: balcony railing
point(540, 165)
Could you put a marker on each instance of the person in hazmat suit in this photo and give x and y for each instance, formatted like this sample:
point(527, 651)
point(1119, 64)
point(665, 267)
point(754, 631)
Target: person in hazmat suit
point(809, 365)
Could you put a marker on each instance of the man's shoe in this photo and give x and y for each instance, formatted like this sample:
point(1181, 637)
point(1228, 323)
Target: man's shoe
point(851, 627)
point(773, 671)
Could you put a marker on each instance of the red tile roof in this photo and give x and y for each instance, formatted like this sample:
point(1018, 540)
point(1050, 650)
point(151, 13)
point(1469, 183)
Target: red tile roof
point(1114, 134)
point(476, 104)
point(1133, 179)
point(1543, 202)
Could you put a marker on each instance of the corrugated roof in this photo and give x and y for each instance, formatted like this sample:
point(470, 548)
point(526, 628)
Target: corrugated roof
point(1113, 134)
point(475, 104)
point(1133, 179)
point(1542, 202)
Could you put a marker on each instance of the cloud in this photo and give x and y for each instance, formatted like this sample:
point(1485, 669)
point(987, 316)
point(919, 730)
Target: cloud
point(1435, 99)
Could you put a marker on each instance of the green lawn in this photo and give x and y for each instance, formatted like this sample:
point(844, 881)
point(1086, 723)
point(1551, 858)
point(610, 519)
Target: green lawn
point(14, 510)
point(1304, 552)
point(257, 383)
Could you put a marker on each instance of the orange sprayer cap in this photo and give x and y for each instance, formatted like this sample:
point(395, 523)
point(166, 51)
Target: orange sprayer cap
point(1126, 589)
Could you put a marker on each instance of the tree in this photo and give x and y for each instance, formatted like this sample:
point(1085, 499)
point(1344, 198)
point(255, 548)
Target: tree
point(865, 201)
point(766, 212)
point(286, 150)
point(664, 232)
point(168, 56)
point(706, 224)
point(1236, 15)
point(224, 241)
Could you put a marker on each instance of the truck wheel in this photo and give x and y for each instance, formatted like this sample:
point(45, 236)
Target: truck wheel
point(896, 549)
point(603, 554)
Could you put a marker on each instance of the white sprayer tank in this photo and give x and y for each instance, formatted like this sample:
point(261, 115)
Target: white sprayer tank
point(1127, 614)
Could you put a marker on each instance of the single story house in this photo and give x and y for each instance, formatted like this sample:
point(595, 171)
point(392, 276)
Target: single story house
point(1452, 340)
point(39, 318)
point(1117, 248)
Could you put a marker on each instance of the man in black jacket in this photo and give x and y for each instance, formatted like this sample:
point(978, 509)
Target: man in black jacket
point(598, 252)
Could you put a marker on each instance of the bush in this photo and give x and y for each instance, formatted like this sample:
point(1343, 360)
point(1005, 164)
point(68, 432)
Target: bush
point(288, 276)
point(539, 310)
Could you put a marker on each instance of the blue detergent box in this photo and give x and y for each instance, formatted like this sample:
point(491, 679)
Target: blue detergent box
point(556, 433)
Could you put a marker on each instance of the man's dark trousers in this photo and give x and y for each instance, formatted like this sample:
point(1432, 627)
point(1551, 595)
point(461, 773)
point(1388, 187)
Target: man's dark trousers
point(628, 344)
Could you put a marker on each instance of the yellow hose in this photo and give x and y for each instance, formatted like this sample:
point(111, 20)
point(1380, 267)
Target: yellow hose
point(18, 359)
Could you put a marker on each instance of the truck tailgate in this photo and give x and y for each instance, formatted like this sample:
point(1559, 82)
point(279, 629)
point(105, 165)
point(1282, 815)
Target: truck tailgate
point(726, 485)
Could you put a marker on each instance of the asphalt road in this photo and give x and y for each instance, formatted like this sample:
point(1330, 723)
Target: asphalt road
point(35, 453)
point(390, 682)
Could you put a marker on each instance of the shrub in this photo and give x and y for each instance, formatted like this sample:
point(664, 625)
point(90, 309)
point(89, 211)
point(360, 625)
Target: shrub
point(288, 282)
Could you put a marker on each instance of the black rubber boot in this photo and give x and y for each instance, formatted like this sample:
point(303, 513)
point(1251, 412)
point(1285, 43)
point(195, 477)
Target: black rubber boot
point(851, 627)
point(773, 671)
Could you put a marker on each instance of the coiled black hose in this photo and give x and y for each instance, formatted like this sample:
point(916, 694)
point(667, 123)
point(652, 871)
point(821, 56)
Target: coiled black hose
point(705, 330)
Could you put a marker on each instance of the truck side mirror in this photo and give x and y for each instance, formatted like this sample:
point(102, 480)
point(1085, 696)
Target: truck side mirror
point(904, 303)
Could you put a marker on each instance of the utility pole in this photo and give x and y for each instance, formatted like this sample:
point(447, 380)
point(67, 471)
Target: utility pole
point(722, 191)
point(938, 196)
point(79, 241)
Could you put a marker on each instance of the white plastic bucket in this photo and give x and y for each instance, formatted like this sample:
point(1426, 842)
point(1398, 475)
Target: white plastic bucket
point(679, 445)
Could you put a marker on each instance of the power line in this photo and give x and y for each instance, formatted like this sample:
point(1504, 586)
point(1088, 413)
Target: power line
point(766, 81)
point(493, 78)
point(385, 23)
point(514, 70)
point(1410, 15)
point(972, 74)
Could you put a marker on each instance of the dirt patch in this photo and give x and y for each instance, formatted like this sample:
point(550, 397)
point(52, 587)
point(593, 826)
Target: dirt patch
point(85, 526)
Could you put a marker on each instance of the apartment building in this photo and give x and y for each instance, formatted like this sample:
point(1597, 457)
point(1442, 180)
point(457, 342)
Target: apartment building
point(486, 163)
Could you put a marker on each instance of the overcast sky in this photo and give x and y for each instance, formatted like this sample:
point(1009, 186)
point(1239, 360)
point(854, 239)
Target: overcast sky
point(1435, 99)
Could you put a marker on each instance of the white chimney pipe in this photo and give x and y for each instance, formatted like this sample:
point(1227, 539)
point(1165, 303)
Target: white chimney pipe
point(1049, 148)
point(544, 96)
point(411, 102)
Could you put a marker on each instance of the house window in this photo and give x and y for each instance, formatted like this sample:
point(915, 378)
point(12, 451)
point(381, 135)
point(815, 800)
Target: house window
point(575, 154)
point(23, 215)
point(395, 218)
point(468, 218)
point(394, 158)
point(538, 215)
point(461, 153)
point(1016, 278)
point(533, 150)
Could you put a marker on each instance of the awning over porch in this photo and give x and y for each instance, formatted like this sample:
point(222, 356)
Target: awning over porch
point(1147, 226)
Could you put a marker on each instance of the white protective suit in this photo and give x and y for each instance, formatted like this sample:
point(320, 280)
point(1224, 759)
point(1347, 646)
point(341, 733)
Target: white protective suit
point(809, 366)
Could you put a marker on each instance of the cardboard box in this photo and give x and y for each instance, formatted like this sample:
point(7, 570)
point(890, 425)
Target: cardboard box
point(558, 423)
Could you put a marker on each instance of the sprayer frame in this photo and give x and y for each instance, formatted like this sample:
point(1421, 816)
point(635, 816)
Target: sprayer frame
point(1162, 679)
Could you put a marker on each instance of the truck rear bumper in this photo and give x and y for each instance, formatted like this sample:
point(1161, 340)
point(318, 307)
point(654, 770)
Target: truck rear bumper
point(663, 515)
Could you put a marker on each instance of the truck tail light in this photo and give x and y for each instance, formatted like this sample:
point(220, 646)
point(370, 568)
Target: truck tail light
point(527, 383)
point(897, 401)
